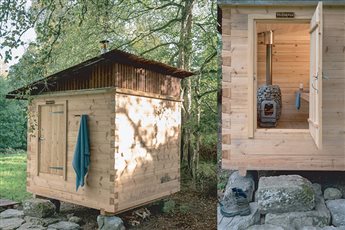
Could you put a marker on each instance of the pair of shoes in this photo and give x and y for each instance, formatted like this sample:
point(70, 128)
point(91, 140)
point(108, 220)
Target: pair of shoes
point(238, 206)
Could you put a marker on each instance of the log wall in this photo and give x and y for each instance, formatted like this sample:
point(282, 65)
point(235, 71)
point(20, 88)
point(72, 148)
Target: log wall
point(147, 149)
point(99, 188)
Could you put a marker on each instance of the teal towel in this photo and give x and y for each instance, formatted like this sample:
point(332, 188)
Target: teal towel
point(81, 158)
point(298, 100)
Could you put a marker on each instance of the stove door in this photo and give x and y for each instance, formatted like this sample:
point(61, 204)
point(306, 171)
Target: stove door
point(315, 100)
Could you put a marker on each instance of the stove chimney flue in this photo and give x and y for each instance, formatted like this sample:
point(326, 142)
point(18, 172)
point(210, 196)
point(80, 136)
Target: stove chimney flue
point(269, 44)
point(104, 46)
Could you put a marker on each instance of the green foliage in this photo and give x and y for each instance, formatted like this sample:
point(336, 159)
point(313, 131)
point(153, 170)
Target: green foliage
point(206, 179)
point(223, 176)
point(169, 206)
point(68, 32)
point(13, 176)
point(184, 208)
point(12, 120)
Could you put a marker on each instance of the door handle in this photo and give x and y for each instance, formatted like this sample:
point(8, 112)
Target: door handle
point(41, 138)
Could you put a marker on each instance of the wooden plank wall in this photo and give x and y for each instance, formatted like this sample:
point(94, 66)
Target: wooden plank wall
point(290, 65)
point(99, 190)
point(147, 147)
point(333, 116)
point(123, 76)
point(53, 133)
point(279, 150)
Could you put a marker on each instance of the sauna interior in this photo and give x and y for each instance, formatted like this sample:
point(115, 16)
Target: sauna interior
point(289, 67)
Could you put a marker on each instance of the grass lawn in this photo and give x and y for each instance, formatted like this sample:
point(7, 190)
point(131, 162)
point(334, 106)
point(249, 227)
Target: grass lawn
point(13, 176)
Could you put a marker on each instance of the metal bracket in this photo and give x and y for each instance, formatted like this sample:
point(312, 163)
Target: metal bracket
point(57, 168)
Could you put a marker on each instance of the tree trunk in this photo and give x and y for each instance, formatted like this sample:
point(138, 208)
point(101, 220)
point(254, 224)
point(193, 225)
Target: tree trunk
point(219, 106)
point(197, 132)
point(185, 47)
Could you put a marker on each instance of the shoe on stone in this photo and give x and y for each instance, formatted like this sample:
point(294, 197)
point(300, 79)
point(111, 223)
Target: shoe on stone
point(239, 192)
point(238, 205)
point(233, 209)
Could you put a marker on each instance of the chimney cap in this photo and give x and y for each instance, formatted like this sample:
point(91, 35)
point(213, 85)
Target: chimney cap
point(104, 41)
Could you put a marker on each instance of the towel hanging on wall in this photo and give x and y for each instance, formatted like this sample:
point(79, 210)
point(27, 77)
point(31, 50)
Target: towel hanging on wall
point(298, 100)
point(81, 158)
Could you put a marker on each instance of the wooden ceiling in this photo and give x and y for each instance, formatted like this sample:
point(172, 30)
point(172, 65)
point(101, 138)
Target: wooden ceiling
point(282, 28)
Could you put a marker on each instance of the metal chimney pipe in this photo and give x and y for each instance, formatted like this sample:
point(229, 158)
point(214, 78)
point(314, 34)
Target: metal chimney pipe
point(269, 44)
point(104, 46)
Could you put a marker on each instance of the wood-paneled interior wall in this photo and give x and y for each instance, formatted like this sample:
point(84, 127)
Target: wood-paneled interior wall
point(147, 147)
point(109, 74)
point(281, 150)
point(98, 191)
point(290, 65)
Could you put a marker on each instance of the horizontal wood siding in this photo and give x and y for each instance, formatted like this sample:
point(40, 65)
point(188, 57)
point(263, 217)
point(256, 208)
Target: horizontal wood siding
point(333, 113)
point(147, 147)
point(279, 150)
point(122, 76)
point(98, 192)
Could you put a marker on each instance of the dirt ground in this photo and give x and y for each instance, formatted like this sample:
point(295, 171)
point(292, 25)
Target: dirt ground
point(192, 210)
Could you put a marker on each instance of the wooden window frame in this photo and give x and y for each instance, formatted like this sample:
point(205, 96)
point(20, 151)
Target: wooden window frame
point(252, 68)
point(38, 109)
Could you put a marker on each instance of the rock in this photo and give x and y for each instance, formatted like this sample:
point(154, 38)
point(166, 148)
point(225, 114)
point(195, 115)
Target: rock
point(337, 209)
point(317, 189)
point(57, 204)
point(69, 215)
point(320, 217)
point(64, 225)
point(38, 208)
point(279, 194)
point(75, 219)
point(34, 220)
point(110, 223)
point(40, 221)
point(10, 223)
point(31, 227)
point(245, 183)
point(240, 222)
point(324, 228)
point(11, 213)
point(265, 227)
point(332, 194)
point(50, 220)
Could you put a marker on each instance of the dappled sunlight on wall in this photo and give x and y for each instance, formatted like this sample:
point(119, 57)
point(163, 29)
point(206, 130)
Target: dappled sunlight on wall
point(138, 134)
point(146, 146)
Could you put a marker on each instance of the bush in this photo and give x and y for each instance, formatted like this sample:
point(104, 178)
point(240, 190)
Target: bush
point(169, 206)
point(12, 120)
point(206, 178)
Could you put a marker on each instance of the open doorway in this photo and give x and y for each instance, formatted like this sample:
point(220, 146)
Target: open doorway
point(282, 67)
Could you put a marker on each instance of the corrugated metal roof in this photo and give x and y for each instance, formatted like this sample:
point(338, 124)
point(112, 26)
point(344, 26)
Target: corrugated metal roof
point(279, 2)
point(116, 56)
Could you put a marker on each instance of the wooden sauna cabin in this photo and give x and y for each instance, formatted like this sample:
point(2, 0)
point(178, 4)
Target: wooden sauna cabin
point(306, 62)
point(134, 120)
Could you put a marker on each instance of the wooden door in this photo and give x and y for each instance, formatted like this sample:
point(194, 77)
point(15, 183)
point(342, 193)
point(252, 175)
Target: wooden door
point(315, 98)
point(52, 139)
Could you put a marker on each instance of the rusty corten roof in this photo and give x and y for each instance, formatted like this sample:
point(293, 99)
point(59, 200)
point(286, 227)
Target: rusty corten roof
point(116, 56)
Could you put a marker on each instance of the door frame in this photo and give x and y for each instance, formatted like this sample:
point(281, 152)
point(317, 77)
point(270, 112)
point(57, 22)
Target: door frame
point(38, 109)
point(252, 65)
